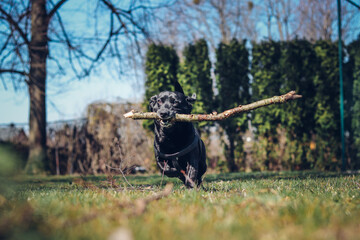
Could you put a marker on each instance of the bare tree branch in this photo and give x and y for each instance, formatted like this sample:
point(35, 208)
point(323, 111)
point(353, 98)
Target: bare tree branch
point(142, 203)
point(114, 10)
point(68, 42)
point(15, 25)
point(165, 5)
point(71, 47)
point(14, 71)
point(55, 8)
point(217, 116)
point(111, 33)
point(6, 43)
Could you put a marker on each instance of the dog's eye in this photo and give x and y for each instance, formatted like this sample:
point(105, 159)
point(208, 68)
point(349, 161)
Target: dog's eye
point(159, 101)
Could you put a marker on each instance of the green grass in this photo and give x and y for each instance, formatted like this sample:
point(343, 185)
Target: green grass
point(285, 205)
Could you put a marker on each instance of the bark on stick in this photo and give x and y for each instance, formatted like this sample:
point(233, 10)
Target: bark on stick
point(217, 116)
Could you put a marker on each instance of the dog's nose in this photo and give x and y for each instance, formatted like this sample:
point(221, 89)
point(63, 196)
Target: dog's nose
point(163, 114)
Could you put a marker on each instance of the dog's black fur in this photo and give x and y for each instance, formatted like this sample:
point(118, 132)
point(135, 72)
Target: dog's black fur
point(179, 151)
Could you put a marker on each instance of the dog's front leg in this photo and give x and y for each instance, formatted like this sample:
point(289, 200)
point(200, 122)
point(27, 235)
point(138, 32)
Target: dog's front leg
point(191, 173)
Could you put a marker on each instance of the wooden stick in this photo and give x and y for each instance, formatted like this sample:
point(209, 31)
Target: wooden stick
point(142, 203)
point(217, 116)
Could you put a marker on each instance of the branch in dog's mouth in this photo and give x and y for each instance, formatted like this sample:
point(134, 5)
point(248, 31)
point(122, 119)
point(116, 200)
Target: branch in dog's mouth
point(215, 116)
point(166, 123)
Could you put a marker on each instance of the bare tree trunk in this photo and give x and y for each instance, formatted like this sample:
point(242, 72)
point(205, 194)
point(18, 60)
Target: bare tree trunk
point(269, 16)
point(38, 51)
point(231, 155)
point(279, 23)
point(223, 25)
point(286, 23)
point(57, 160)
point(220, 7)
point(286, 7)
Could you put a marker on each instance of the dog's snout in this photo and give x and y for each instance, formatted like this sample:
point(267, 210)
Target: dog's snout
point(163, 113)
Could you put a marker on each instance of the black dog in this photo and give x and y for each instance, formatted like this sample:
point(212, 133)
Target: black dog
point(179, 151)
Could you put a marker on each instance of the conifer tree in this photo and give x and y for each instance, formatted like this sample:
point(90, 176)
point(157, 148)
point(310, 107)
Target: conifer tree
point(232, 68)
point(354, 50)
point(327, 110)
point(195, 77)
point(267, 72)
point(298, 64)
point(161, 68)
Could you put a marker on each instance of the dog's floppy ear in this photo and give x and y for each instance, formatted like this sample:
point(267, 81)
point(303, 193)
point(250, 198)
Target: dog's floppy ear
point(152, 102)
point(191, 99)
point(178, 88)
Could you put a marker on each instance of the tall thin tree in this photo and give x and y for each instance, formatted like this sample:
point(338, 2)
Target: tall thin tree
point(195, 75)
point(232, 68)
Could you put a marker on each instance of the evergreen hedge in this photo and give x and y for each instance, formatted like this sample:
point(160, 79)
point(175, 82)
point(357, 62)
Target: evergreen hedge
point(304, 134)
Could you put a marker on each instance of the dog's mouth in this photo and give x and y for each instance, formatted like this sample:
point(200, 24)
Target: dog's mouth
point(166, 123)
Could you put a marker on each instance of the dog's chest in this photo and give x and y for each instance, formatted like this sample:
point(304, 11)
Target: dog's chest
point(174, 141)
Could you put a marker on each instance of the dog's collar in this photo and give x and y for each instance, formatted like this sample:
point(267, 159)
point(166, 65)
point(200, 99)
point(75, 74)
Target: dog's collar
point(181, 153)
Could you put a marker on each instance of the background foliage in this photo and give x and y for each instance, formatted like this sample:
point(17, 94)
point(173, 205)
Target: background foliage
point(161, 68)
point(303, 134)
point(354, 62)
point(195, 75)
point(267, 82)
point(232, 68)
point(298, 63)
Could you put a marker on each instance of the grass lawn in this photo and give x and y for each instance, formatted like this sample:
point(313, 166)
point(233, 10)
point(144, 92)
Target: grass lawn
point(285, 205)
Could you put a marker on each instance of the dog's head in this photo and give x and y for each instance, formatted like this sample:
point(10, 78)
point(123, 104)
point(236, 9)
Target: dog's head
point(166, 104)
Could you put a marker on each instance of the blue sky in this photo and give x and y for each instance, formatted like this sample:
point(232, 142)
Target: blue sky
point(70, 101)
